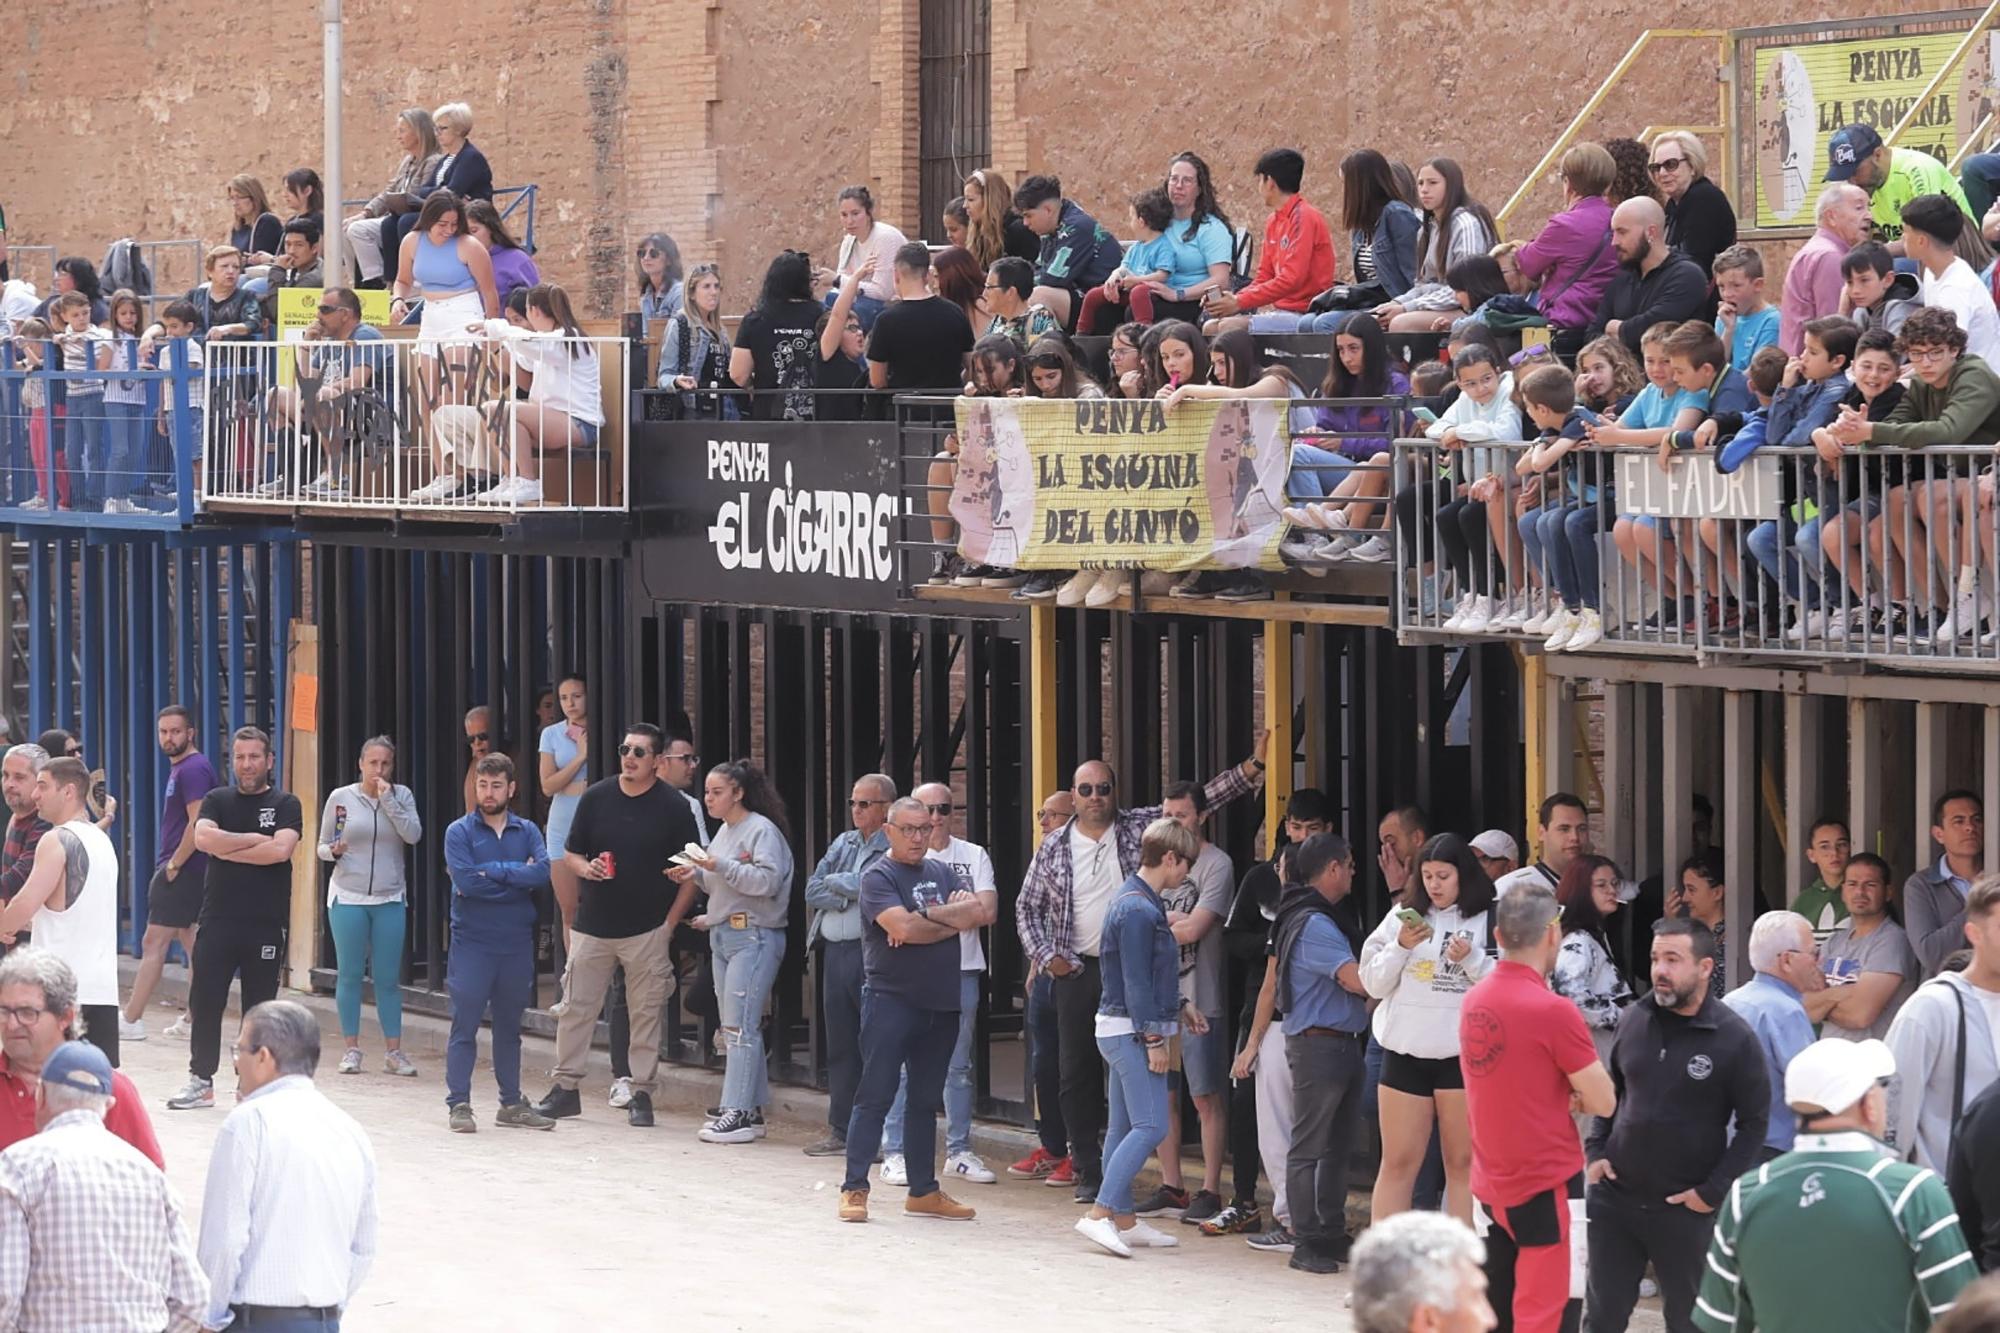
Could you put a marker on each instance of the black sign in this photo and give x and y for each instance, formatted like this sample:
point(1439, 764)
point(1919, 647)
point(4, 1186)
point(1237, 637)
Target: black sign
point(770, 513)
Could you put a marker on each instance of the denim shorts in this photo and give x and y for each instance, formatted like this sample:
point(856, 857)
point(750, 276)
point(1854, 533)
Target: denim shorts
point(1204, 1061)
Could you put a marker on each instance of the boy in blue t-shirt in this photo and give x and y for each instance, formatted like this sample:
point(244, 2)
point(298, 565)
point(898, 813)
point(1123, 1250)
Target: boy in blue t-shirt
point(1745, 321)
point(1148, 260)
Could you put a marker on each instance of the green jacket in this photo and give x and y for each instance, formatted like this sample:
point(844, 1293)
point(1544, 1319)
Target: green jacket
point(1841, 1194)
point(1965, 412)
point(1822, 907)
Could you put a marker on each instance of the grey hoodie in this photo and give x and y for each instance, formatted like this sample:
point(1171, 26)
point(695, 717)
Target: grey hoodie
point(1924, 1040)
point(370, 869)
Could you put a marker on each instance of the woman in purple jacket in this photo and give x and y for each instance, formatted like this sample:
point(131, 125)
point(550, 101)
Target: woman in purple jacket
point(1572, 258)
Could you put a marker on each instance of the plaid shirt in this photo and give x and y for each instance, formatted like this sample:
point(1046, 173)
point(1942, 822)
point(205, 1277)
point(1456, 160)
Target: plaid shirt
point(91, 1237)
point(17, 854)
point(1045, 912)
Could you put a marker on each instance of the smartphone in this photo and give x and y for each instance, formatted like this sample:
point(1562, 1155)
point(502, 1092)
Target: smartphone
point(1424, 414)
point(1410, 916)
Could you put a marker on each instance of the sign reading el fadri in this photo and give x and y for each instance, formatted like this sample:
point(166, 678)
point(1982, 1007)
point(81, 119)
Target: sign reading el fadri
point(1691, 487)
point(1808, 90)
point(1120, 484)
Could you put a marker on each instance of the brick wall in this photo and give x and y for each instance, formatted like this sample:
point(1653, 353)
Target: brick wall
point(731, 124)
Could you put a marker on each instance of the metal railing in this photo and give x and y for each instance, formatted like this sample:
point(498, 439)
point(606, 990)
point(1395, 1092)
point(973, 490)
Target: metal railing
point(510, 200)
point(1889, 557)
point(113, 443)
point(465, 428)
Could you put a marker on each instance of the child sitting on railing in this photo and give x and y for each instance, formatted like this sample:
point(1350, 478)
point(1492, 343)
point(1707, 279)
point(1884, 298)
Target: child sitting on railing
point(1561, 534)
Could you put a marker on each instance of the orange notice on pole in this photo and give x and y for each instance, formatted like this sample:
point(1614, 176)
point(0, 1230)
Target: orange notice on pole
point(305, 703)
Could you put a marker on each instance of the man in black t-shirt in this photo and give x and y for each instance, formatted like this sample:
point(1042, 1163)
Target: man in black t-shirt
point(912, 909)
point(619, 847)
point(921, 341)
point(248, 833)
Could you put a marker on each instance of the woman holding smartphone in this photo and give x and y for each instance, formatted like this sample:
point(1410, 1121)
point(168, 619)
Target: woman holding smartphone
point(565, 763)
point(1419, 963)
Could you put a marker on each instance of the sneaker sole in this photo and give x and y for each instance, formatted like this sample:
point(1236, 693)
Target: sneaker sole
point(733, 1136)
point(988, 1179)
point(208, 1105)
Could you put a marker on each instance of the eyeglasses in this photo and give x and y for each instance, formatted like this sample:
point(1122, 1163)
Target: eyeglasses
point(992, 287)
point(1044, 816)
point(1662, 167)
point(912, 830)
point(1913, 353)
point(944, 809)
point(478, 737)
point(1093, 789)
point(642, 751)
point(23, 1014)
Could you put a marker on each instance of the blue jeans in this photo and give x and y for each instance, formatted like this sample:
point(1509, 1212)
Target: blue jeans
point(1566, 537)
point(1780, 558)
point(894, 1033)
point(83, 449)
point(361, 936)
point(1284, 321)
point(477, 978)
point(746, 964)
point(1045, 1044)
point(1138, 1119)
point(957, 1081)
point(125, 434)
point(1312, 469)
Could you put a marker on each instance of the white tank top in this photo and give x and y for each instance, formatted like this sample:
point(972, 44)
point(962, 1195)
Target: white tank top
point(85, 933)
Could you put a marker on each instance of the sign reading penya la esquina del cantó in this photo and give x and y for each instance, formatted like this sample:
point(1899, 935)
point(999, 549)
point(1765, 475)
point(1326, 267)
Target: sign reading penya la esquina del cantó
point(1116, 483)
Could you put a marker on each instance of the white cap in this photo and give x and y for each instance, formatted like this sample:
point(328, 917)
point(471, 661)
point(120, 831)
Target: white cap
point(1497, 845)
point(1831, 1075)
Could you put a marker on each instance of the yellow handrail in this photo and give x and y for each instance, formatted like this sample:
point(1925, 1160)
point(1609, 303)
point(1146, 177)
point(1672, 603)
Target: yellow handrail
point(1618, 71)
point(1944, 72)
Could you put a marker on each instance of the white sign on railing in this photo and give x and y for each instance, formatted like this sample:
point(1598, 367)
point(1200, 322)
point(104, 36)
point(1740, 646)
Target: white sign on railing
point(1690, 487)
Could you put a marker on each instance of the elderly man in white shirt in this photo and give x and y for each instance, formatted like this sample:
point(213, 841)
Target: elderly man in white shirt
point(91, 1234)
point(288, 1219)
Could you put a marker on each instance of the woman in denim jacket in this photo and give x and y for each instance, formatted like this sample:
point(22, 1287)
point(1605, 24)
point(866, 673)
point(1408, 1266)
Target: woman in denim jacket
point(1140, 1009)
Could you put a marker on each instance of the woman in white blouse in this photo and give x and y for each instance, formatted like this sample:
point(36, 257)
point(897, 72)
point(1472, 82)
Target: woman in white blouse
point(862, 236)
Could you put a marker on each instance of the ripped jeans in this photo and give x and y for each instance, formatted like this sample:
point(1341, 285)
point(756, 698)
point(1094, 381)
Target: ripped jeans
point(746, 965)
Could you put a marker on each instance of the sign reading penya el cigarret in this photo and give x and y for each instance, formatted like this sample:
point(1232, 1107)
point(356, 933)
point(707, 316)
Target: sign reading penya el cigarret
point(1690, 487)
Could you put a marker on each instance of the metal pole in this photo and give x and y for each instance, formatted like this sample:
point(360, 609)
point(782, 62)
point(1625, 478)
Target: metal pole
point(332, 236)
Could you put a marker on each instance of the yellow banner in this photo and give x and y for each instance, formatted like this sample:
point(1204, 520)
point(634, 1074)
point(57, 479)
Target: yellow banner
point(1807, 91)
point(1120, 483)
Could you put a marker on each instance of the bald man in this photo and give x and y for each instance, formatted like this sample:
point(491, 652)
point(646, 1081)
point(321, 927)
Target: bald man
point(1060, 913)
point(1655, 285)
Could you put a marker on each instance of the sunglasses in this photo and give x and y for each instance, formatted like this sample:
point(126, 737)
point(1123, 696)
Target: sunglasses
point(1661, 168)
point(863, 805)
point(74, 752)
point(1093, 789)
point(689, 758)
point(649, 252)
point(479, 738)
point(625, 751)
point(944, 809)
point(1046, 815)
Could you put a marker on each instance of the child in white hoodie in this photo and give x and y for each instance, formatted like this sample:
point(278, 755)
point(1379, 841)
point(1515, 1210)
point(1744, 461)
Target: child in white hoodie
point(1484, 413)
point(1419, 963)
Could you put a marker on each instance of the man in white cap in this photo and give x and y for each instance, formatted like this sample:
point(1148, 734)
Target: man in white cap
point(1840, 1191)
point(1497, 852)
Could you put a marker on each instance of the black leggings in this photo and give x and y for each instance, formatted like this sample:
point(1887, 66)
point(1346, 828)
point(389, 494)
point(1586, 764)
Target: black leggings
point(1410, 503)
point(1468, 548)
point(1246, 1164)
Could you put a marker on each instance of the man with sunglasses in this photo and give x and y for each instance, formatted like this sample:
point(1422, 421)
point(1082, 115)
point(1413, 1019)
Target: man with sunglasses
point(626, 829)
point(833, 893)
point(478, 744)
point(974, 868)
point(338, 378)
point(1060, 915)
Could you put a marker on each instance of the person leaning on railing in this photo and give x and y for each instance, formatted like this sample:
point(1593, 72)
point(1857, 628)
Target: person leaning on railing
point(1561, 533)
point(1875, 390)
point(565, 406)
point(1353, 510)
point(694, 349)
point(1482, 416)
point(1953, 401)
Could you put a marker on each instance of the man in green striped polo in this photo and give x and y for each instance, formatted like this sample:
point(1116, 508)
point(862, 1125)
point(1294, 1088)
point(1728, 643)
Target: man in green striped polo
point(1840, 1191)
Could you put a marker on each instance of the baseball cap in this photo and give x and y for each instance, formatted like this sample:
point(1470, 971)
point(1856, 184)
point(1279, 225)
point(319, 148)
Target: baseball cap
point(79, 1065)
point(1497, 845)
point(1831, 1075)
point(1847, 147)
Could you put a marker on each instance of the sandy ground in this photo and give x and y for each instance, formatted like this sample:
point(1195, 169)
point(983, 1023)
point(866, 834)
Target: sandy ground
point(599, 1225)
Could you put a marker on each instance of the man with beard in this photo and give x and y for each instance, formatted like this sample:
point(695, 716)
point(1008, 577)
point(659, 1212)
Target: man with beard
point(1655, 285)
point(18, 772)
point(248, 831)
point(497, 864)
point(1683, 1063)
point(173, 899)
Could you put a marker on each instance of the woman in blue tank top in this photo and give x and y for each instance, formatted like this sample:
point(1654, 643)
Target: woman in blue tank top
point(456, 275)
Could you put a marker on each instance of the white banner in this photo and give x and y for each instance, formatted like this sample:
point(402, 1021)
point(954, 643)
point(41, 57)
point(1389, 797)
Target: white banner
point(1690, 487)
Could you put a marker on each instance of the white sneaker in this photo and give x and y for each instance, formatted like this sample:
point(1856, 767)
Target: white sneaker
point(894, 1172)
point(968, 1166)
point(1456, 620)
point(1479, 618)
point(350, 1063)
point(37, 503)
point(1072, 593)
point(1814, 624)
point(1374, 551)
point(131, 1031)
point(119, 505)
point(1143, 1236)
point(621, 1093)
point(1589, 629)
point(1962, 621)
point(271, 489)
point(513, 491)
point(1110, 586)
point(1648, 1289)
point(1561, 626)
point(1104, 1233)
point(441, 487)
point(179, 1029)
point(1513, 613)
point(1542, 614)
point(1302, 551)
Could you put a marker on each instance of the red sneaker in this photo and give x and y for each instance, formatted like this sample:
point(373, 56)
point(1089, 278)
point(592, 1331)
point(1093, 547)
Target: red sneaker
point(1034, 1166)
point(1061, 1176)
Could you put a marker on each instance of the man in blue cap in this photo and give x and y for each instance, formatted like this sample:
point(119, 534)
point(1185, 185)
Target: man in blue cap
point(90, 1231)
point(1892, 177)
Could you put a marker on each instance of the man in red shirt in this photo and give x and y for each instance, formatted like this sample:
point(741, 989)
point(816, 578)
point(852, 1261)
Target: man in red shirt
point(1529, 1062)
point(1297, 261)
point(38, 1012)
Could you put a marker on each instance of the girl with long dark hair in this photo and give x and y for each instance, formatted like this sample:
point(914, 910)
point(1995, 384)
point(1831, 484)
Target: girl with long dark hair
point(1455, 227)
point(1584, 973)
point(1359, 368)
point(777, 345)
